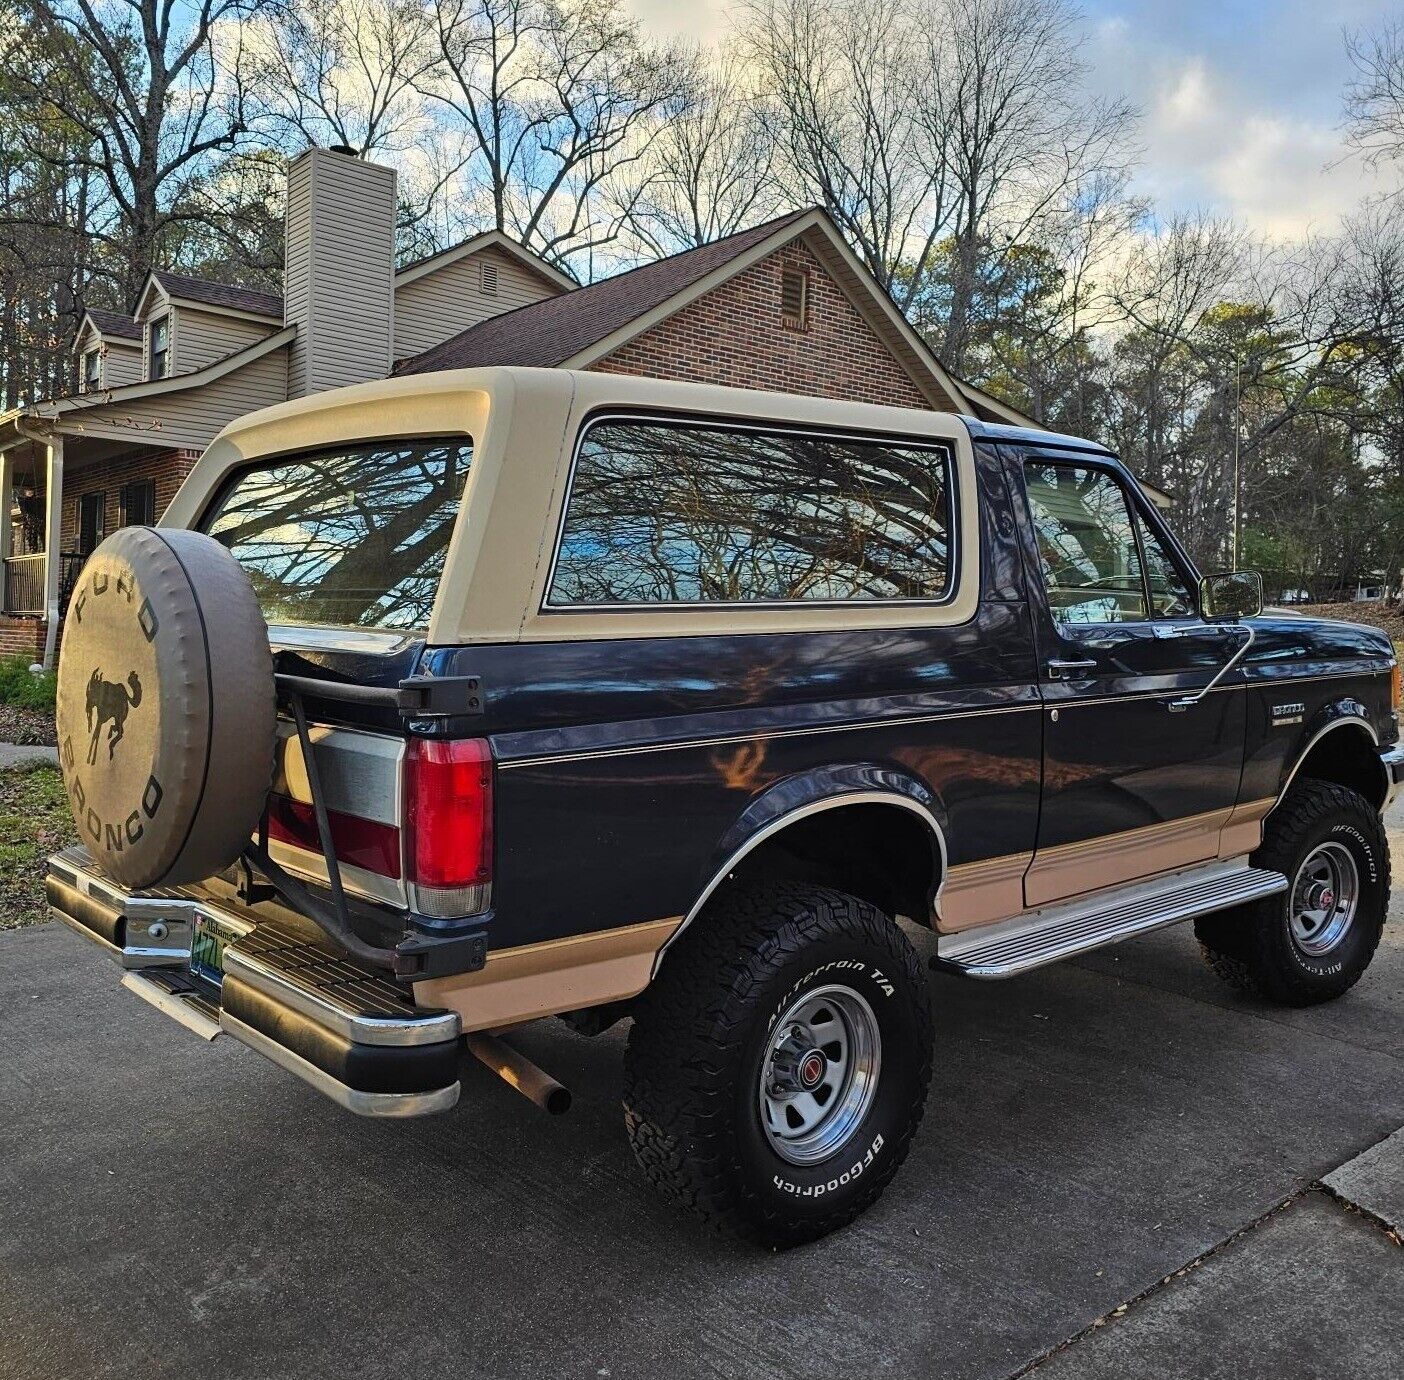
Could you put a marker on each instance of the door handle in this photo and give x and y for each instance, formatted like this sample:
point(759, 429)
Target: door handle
point(1058, 669)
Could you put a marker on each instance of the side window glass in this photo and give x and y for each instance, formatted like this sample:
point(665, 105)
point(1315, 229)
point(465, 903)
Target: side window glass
point(669, 513)
point(1086, 544)
point(1170, 596)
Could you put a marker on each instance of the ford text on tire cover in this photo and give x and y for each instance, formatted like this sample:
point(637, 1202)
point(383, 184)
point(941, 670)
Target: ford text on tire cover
point(440, 705)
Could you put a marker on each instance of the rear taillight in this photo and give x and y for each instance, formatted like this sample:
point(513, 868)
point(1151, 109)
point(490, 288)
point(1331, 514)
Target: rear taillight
point(448, 825)
point(364, 843)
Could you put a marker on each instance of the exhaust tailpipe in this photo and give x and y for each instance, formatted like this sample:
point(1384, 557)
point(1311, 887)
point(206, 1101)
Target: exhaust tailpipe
point(513, 1067)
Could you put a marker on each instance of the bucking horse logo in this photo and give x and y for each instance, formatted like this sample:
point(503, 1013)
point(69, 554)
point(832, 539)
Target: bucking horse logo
point(109, 700)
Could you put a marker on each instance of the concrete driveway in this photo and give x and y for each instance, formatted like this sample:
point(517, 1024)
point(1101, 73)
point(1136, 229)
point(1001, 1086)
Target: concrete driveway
point(1119, 1175)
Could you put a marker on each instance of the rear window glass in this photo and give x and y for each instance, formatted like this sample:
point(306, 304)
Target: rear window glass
point(352, 537)
point(670, 513)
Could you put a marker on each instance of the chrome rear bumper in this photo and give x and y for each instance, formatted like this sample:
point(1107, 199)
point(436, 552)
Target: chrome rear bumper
point(348, 1031)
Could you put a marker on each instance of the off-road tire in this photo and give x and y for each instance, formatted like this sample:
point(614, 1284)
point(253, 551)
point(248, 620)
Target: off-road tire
point(702, 1032)
point(1252, 947)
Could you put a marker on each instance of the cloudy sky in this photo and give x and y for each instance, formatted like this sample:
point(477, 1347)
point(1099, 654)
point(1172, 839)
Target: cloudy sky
point(1240, 102)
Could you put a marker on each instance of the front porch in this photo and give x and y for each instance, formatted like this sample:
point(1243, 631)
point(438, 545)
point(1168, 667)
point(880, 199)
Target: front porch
point(60, 495)
point(26, 583)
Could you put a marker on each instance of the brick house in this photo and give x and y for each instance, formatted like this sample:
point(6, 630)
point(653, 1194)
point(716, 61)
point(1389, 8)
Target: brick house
point(784, 306)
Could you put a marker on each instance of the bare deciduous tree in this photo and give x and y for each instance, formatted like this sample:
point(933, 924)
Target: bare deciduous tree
point(1002, 98)
point(918, 122)
point(342, 71)
point(1374, 101)
point(844, 79)
point(156, 90)
point(711, 167)
point(558, 101)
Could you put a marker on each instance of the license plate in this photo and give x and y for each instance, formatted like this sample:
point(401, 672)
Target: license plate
point(207, 944)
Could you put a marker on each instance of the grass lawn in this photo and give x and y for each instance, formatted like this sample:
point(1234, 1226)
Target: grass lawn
point(34, 822)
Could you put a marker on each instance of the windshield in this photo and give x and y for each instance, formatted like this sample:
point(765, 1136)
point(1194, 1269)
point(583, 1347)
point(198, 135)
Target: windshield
point(354, 536)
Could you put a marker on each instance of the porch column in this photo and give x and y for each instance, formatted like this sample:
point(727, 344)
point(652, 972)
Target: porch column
point(53, 540)
point(7, 501)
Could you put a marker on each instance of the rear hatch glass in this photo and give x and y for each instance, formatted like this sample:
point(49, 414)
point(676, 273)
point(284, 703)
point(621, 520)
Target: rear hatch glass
point(351, 536)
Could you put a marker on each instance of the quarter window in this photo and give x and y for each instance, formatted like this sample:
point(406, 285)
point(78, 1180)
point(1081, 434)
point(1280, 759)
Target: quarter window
point(1087, 547)
point(674, 513)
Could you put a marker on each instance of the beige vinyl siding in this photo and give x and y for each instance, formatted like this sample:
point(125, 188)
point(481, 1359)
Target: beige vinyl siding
point(450, 299)
point(122, 364)
point(297, 231)
point(202, 337)
point(340, 270)
point(190, 418)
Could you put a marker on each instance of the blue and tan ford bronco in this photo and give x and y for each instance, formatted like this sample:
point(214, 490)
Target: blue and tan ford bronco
point(444, 704)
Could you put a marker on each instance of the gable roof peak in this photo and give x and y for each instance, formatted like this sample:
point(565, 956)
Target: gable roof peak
point(113, 324)
point(548, 333)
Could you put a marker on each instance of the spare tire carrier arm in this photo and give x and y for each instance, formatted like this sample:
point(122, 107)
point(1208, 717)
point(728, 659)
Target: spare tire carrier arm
point(336, 921)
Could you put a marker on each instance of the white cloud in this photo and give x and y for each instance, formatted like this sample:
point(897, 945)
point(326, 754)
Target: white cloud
point(701, 21)
point(1241, 102)
point(1222, 129)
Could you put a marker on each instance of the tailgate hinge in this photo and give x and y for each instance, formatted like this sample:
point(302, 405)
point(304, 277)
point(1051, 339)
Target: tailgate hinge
point(440, 697)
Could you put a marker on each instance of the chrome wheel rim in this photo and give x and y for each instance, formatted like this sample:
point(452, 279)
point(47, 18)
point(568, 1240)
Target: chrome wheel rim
point(1325, 895)
point(819, 1074)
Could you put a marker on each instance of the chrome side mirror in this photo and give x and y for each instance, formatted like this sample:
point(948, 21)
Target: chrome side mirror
point(1232, 595)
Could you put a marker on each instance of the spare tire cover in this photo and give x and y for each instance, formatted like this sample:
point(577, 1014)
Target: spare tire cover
point(166, 708)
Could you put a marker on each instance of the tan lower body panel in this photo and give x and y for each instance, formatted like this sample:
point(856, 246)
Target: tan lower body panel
point(992, 889)
point(1092, 864)
point(979, 893)
point(522, 984)
point(535, 980)
point(1243, 833)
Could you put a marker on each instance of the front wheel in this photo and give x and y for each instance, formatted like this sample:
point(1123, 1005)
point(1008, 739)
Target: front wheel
point(1312, 942)
point(777, 1068)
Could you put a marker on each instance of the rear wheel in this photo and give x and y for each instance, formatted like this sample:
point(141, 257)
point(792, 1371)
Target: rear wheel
point(1312, 942)
point(777, 1069)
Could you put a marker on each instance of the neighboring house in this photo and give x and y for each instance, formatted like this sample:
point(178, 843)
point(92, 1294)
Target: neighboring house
point(784, 306)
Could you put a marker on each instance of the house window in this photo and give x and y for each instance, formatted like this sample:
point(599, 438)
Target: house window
point(92, 370)
point(136, 504)
point(487, 279)
point(92, 521)
point(794, 298)
point(160, 348)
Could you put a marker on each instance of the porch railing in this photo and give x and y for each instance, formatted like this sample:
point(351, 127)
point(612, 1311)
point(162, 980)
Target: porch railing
point(24, 582)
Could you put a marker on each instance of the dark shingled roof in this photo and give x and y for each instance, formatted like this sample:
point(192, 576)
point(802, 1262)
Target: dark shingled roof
point(115, 323)
point(219, 294)
point(547, 333)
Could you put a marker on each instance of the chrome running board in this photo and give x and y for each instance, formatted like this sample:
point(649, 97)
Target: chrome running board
point(1075, 927)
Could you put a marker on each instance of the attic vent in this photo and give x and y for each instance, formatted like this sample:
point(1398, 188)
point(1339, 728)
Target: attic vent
point(487, 279)
point(794, 298)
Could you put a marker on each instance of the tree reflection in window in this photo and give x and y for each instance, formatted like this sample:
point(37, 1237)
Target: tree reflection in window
point(668, 513)
point(350, 537)
point(1086, 544)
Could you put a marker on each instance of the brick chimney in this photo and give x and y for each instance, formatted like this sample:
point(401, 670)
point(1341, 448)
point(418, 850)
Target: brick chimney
point(339, 283)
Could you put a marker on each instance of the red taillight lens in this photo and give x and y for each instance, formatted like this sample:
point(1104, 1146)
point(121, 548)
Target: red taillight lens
point(359, 842)
point(448, 816)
